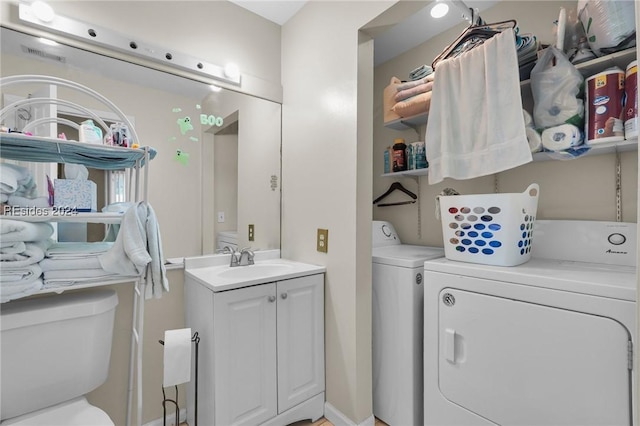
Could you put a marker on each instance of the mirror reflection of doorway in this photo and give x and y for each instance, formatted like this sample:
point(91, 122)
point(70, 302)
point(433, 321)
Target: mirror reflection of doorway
point(225, 179)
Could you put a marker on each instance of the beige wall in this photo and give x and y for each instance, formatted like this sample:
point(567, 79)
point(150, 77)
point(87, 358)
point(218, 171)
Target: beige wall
point(578, 189)
point(324, 155)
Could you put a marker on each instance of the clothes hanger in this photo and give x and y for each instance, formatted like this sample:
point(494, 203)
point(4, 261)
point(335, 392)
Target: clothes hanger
point(472, 36)
point(396, 186)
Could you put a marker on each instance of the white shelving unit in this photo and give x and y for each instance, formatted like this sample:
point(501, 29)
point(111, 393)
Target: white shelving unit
point(16, 146)
point(618, 59)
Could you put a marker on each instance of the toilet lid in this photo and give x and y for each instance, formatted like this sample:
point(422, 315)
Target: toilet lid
point(77, 412)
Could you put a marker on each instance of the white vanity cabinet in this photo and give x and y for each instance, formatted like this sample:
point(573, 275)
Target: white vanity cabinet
point(261, 357)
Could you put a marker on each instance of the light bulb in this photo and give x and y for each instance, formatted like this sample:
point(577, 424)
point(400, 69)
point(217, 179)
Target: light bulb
point(42, 11)
point(439, 10)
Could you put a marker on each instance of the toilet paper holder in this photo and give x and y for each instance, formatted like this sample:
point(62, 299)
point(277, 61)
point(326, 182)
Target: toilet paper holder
point(194, 339)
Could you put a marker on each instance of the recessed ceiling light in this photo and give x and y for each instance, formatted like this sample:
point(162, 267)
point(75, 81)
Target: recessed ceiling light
point(439, 10)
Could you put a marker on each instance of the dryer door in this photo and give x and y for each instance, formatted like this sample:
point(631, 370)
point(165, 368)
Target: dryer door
point(518, 363)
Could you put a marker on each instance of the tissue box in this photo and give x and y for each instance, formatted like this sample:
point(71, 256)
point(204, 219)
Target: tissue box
point(75, 194)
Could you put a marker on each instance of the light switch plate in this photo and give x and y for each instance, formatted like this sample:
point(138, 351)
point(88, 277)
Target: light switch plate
point(220, 217)
point(322, 241)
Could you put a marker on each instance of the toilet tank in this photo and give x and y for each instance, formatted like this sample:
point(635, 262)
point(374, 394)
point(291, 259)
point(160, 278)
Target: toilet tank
point(54, 348)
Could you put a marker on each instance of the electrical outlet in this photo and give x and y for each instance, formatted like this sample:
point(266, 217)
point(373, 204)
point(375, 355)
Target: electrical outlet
point(251, 234)
point(322, 242)
point(220, 217)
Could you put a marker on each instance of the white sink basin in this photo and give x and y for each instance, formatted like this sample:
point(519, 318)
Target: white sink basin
point(257, 270)
point(222, 277)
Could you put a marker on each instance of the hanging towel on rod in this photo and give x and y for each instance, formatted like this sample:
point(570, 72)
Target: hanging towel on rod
point(476, 126)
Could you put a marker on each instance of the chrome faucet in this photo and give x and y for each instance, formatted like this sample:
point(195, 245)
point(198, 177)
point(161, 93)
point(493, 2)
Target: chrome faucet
point(246, 257)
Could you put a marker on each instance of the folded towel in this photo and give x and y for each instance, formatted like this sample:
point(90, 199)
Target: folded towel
point(420, 72)
point(12, 247)
point(18, 291)
point(67, 282)
point(31, 254)
point(16, 179)
point(388, 100)
point(4, 197)
point(410, 84)
point(57, 264)
point(73, 274)
point(414, 105)
point(16, 230)
point(476, 125)
point(138, 250)
point(21, 276)
point(407, 93)
point(16, 200)
point(69, 250)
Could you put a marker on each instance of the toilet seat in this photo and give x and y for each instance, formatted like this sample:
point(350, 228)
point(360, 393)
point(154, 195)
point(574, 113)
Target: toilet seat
point(77, 412)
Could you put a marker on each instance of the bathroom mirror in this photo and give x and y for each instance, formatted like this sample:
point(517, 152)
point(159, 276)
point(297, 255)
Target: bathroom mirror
point(218, 163)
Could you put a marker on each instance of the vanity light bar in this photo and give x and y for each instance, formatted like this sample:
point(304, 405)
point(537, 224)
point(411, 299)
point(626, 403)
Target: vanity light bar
point(108, 38)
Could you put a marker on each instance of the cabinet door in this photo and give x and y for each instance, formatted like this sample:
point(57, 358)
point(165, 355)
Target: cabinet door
point(244, 355)
point(300, 340)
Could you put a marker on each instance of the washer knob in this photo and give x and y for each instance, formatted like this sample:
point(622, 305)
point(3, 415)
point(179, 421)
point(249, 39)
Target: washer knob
point(617, 239)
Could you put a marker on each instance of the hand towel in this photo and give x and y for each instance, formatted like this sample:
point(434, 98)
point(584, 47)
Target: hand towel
point(475, 125)
point(138, 250)
point(16, 230)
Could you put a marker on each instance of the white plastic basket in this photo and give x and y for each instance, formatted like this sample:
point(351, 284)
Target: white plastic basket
point(493, 229)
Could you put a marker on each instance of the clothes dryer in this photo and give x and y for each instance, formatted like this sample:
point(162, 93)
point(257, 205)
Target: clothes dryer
point(548, 342)
point(397, 318)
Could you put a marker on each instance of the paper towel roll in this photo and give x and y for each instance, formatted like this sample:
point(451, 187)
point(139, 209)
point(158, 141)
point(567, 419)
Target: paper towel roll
point(177, 357)
point(561, 137)
point(533, 137)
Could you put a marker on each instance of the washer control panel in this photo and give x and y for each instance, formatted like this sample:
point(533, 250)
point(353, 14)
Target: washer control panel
point(383, 234)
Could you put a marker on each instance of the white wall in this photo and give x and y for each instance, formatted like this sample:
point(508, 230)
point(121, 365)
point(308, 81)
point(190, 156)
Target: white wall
point(324, 156)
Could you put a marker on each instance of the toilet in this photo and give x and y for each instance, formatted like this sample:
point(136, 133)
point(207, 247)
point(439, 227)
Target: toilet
point(54, 350)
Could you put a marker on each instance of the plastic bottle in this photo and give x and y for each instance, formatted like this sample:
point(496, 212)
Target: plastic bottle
point(89, 132)
point(387, 160)
point(399, 155)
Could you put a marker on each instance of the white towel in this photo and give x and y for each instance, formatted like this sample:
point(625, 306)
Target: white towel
point(16, 200)
point(12, 247)
point(68, 274)
point(17, 230)
point(476, 125)
point(8, 293)
point(138, 250)
point(19, 277)
point(17, 180)
point(87, 262)
point(32, 253)
point(70, 250)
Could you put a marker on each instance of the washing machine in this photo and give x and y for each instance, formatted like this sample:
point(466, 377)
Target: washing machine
point(548, 342)
point(397, 320)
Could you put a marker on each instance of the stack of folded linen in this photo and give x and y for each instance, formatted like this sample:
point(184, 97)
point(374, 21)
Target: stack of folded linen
point(70, 263)
point(413, 97)
point(17, 187)
point(22, 246)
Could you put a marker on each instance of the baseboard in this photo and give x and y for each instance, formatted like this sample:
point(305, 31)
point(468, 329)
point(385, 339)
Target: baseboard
point(170, 418)
point(336, 417)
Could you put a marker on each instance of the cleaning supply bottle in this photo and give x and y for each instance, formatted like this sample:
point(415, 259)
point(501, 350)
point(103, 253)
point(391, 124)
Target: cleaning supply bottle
point(399, 155)
point(89, 132)
point(387, 160)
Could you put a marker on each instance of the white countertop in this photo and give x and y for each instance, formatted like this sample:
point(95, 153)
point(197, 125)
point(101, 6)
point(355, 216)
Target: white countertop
point(215, 273)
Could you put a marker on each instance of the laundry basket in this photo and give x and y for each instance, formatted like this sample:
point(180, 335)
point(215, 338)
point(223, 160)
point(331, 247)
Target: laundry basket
point(493, 229)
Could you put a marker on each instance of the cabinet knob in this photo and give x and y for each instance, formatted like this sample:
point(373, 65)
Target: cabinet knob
point(272, 299)
point(283, 295)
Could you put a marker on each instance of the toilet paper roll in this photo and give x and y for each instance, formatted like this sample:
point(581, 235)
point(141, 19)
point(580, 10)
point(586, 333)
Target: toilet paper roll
point(177, 357)
point(561, 137)
point(533, 137)
point(528, 120)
